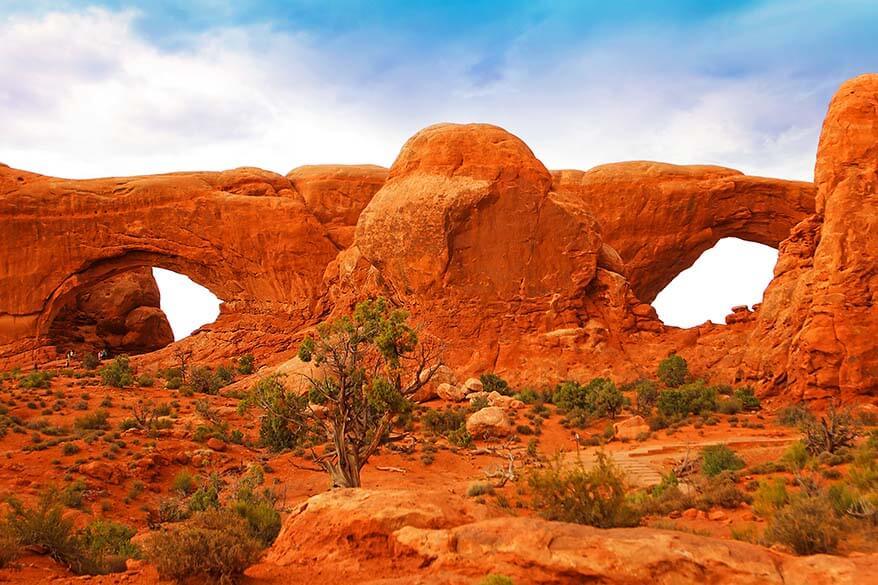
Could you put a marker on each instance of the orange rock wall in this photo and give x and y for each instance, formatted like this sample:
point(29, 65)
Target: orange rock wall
point(538, 275)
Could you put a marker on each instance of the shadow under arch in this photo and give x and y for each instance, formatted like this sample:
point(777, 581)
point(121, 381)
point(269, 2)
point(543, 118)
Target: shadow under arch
point(106, 268)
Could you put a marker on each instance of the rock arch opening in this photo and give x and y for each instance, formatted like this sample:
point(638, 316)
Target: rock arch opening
point(186, 304)
point(134, 304)
point(732, 273)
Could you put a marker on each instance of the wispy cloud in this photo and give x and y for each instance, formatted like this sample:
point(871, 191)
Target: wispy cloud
point(91, 91)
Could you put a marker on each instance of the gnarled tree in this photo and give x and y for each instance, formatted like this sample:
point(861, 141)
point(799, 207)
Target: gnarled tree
point(371, 363)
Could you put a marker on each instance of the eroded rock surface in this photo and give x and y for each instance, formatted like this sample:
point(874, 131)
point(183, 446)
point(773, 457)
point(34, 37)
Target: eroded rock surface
point(437, 538)
point(536, 275)
point(121, 313)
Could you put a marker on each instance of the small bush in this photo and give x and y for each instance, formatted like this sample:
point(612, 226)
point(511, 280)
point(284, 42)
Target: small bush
point(203, 379)
point(829, 433)
point(36, 379)
point(748, 399)
point(718, 458)
point(673, 371)
point(794, 415)
point(184, 483)
point(497, 579)
point(9, 547)
point(770, 497)
point(796, 456)
point(94, 421)
point(808, 526)
point(573, 493)
point(692, 398)
point(721, 490)
point(246, 364)
point(145, 381)
point(90, 361)
point(603, 398)
point(118, 373)
point(479, 488)
point(646, 392)
point(494, 383)
point(215, 546)
point(99, 548)
point(569, 396)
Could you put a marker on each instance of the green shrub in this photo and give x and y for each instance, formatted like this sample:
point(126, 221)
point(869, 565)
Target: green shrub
point(93, 421)
point(796, 456)
point(442, 422)
point(99, 548)
point(770, 496)
point(673, 371)
point(603, 398)
point(693, 398)
point(573, 493)
point(646, 393)
point(145, 381)
point(718, 458)
point(214, 546)
point(9, 547)
point(794, 415)
point(36, 379)
point(808, 525)
point(206, 497)
point(118, 373)
point(246, 364)
point(569, 396)
point(729, 406)
point(496, 579)
point(279, 406)
point(90, 361)
point(494, 383)
point(184, 483)
point(748, 399)
point(104, 547)
point(598, 398)
point(203, 379)
point(479, 488)
point(721, 490)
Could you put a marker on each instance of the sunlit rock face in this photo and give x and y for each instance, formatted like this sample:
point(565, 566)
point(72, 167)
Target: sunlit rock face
point(538, 275)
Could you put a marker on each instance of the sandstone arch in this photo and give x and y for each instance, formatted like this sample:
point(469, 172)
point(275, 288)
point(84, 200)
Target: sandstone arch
point(661, 217)
point(517, 268)
point(246, 234)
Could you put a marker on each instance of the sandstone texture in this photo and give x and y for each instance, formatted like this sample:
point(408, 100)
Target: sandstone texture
point(121, 313)
point(434, 538)
point(534, 274)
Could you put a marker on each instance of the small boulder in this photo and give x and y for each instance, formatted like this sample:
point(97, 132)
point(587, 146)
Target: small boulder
point(489, 422)
point(450, 393)
point(630, 428)
point(473, 385)
point(104, 472)
point(216, 444)
point(507, 402)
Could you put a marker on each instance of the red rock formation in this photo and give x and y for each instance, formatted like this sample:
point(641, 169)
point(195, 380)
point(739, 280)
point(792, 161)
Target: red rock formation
point(432, 538)
point(537, 275)
point(336, 194)
point(817, 325)
point(121, 313)
point(661, 217)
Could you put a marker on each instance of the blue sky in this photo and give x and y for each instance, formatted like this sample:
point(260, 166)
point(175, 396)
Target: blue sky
point(743, 84)
point(96, 88)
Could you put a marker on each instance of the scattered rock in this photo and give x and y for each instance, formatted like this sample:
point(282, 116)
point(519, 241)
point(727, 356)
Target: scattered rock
point(631, 428)
point(216, 444)
point(451, 393)
point(489, 422)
